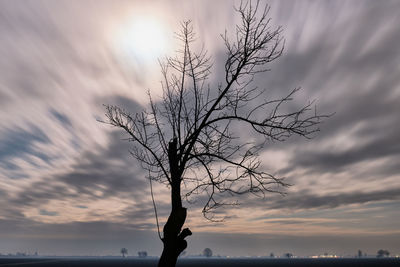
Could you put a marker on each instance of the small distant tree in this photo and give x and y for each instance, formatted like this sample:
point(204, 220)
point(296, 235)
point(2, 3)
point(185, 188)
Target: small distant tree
point(124, 251)
point(360, 253)
point(382, 253)
point(190, 137)
point(207, 252)
point(272, 255)
point(288, 255)
point(142, 254)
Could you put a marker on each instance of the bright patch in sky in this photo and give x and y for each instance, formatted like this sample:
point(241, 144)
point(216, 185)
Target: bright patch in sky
point(143, 40)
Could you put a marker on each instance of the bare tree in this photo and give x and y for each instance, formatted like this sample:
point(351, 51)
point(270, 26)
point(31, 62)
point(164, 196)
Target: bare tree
point(382, 253)
point(207, 252)
point(142, 254)
point(124, 251)
point(187, 138)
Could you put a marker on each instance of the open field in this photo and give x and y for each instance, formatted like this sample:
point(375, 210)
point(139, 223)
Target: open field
point(115, 262)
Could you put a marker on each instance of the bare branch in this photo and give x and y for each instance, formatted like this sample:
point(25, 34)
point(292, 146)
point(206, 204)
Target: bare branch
point(195, 117)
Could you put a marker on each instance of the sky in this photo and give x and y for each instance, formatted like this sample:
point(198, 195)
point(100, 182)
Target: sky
point(68, 185)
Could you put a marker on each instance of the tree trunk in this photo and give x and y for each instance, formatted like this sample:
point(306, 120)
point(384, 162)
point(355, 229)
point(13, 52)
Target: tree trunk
point(174, 239)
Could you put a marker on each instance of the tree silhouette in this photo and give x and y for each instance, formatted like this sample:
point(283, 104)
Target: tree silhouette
point(382, 253)
point(207, 252)
point(288, 255)
point(124, 251)
point(189, 136)
point(142, 254)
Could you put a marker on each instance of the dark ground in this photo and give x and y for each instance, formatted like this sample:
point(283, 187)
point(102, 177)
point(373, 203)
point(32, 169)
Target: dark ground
point(116, 262)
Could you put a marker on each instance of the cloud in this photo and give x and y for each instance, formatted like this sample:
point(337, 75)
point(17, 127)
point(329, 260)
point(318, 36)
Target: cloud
point(107, 173)
point(374, 144)
point(16, 143)
point(104, 175)
point(305, 200)
point(62, 118)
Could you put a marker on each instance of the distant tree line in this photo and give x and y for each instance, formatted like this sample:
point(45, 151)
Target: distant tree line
point(382, 253)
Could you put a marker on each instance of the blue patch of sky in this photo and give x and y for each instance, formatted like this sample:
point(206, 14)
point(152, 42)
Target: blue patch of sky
point(67, 124)
point(75, 144)
point(18, 175)
point(48, 213)
point(63, 119)
point(11, 170)
point(9, 166)
point(18, 143)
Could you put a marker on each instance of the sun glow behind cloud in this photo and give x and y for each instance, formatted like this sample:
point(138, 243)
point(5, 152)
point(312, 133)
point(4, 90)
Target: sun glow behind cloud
point(142, 40)
point(138, 39)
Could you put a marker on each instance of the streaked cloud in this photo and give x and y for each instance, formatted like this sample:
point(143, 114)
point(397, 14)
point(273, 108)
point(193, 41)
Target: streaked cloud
point(64, 176)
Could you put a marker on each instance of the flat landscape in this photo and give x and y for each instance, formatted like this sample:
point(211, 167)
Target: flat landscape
point(231, 133)
point(115, 262)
